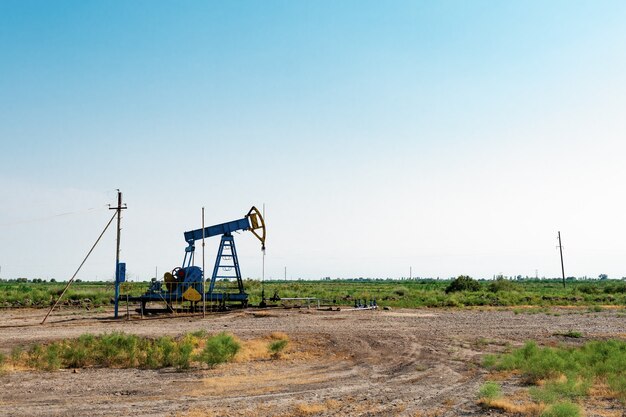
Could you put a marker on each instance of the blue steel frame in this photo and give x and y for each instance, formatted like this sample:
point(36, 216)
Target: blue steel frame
point(227, 242)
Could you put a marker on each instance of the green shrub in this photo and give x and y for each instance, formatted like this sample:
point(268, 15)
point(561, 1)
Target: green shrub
point(166, 348)
point(75, 355)
point(219, 349)
point(463, 283)
point(200, 334)
point(401, 291)
point(183, 354)
point(501, 285)
point(117, 349)
point(489, 361)
point(618, 384)
point(565, 409)
point(276, 347)
point(490, 390)
point(35, 355)
point(553, 391)
point(52, 357)
point(16, 354)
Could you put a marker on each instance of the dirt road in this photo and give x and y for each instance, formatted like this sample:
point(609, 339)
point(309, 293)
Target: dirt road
point(364, 363)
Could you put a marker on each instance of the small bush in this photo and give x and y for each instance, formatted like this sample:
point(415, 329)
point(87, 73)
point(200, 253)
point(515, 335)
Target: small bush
point(200, 334)
point(489, 361)
point(401, 291)
point(75, 356)
point(166, 348)
point(53, 357)
point(553, 391)
point(16, 354)
point(34, 356)
point(183, 355)
point(219, 349)
point(564, 409)
point(463, 283)
point(490, 390)
point(501, 285)
point(276, 347)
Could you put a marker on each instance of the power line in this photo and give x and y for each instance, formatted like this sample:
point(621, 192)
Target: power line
point(54, 216)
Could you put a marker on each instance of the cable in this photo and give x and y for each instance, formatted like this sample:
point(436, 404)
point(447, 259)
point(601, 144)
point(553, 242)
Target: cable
point(54, 216)
point(81, 265)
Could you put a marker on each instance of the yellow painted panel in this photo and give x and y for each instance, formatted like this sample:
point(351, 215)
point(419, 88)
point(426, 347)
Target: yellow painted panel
point(192, 295)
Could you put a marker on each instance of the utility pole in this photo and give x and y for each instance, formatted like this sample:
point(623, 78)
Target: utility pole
point(562, 267)
point(119, 209)
point(410, 272)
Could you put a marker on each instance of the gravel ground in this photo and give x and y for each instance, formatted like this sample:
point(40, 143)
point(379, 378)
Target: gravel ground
point(352, 363)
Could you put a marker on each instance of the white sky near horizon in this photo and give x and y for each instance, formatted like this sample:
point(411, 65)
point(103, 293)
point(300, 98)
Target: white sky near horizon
point(450, 137)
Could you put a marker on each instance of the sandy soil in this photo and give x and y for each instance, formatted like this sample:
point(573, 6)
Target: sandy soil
point(351, 363)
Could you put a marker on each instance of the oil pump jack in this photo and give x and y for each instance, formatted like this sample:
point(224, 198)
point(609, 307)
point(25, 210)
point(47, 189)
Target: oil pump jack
point(184, 283)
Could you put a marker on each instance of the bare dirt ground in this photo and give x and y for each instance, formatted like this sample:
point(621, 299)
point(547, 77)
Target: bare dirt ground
point(349, 363)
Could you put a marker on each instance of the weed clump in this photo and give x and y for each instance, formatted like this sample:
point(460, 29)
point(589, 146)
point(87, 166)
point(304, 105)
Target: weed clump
point(219, 349)
point(401, 291)
point(490, 391)
point(564, 409)
point(276, 347)
point(183, 355)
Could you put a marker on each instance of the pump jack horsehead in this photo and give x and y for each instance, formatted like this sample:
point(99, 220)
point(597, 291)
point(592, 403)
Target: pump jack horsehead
point(184, 283)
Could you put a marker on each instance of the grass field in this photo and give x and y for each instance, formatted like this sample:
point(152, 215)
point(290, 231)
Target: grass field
point(407, 293)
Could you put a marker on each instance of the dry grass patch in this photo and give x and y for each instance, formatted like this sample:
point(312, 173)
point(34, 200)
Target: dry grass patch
point(278, 335)
point(252, 350)
point(258, 349)
point(260, 314)
point(307, 409)
point(508, 406)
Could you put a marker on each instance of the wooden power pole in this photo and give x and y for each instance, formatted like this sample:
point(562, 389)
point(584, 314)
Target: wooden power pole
point(119, 209)
point(562, 267)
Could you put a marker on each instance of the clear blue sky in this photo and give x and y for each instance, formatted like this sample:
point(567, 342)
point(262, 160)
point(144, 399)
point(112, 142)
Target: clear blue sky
point(455, 137)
